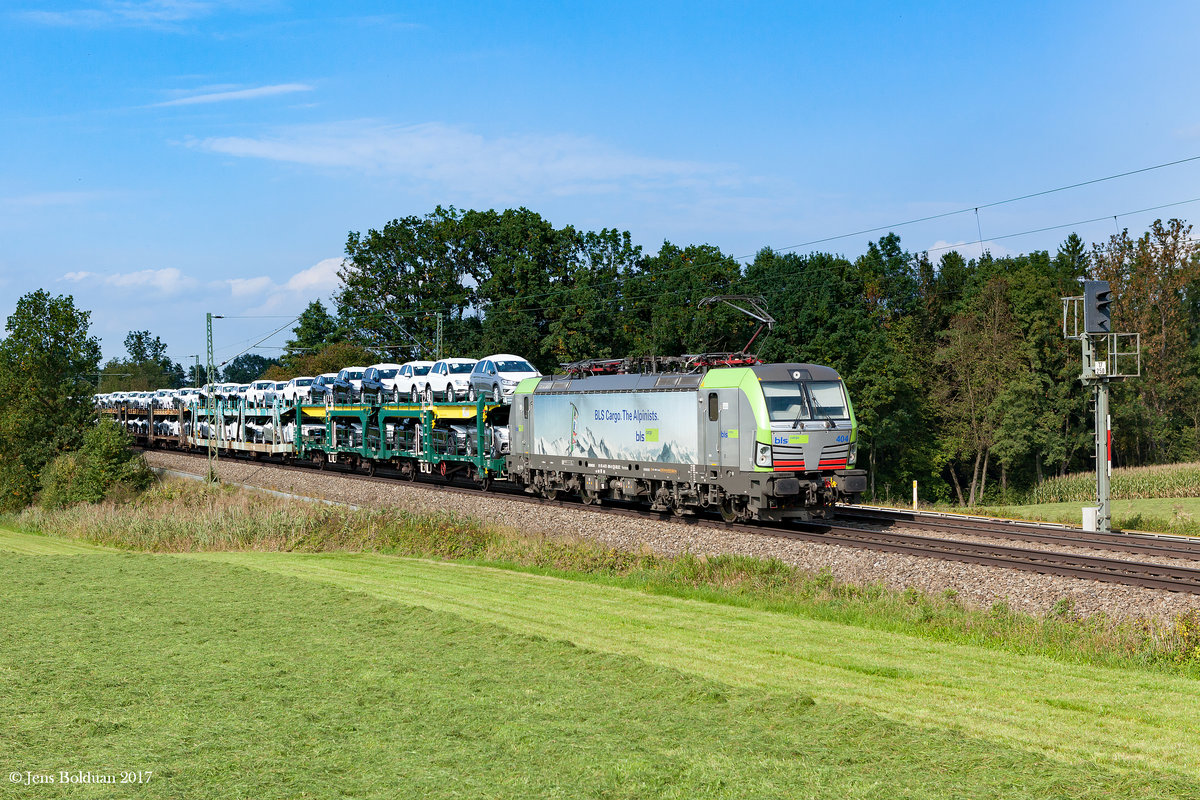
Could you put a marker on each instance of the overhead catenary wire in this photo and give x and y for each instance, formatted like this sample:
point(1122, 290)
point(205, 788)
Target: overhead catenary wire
point(893, 226)
point(621, 279)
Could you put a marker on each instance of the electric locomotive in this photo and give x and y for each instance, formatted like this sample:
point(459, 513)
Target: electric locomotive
point(764, 442)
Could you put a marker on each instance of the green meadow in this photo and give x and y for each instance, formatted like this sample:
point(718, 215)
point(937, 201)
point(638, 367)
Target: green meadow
point(270, 674)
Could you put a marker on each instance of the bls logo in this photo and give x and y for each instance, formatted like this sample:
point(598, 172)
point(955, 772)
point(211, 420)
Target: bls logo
point(780, 439)
point(843, 438)
point(639, 436)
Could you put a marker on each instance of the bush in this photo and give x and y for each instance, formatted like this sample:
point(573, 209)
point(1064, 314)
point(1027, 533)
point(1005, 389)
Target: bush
point(104, 465)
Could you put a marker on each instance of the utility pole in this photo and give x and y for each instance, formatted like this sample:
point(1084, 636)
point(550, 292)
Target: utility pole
point(211, 403)
point(438, 338)
point(1107, 356)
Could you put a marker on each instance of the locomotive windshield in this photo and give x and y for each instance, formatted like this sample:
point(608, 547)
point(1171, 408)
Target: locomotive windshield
point(804, 400)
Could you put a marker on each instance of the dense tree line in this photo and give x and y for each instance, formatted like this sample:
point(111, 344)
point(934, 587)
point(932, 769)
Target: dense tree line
point(959, 371)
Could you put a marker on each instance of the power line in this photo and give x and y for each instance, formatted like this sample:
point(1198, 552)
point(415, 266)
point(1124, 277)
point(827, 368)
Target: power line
point(1073, 224)
point(905, 223)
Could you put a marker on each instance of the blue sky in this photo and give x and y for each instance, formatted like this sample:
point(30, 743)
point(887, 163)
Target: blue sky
point(167, 158)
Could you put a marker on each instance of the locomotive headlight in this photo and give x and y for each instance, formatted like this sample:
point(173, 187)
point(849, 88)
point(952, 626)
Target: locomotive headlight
point(763, 456)
point(853, 454)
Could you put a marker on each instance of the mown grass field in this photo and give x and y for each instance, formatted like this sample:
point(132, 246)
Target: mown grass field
point(257, 674)
point(194, 518)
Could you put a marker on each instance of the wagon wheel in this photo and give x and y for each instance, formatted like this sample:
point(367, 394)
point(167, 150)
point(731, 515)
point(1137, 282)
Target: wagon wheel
point(372, 467)
point(322, 462)
point(485, 481)
point(409, 472)
point(442, 468)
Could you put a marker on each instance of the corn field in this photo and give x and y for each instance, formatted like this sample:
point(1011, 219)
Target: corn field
point(1130, 483)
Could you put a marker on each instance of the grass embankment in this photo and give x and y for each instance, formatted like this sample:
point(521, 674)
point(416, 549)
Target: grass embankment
point(188, 517)
point(227, 682)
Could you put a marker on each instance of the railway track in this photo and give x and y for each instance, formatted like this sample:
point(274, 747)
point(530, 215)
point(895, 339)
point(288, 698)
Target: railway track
point(1162, 546)
point(834, 532)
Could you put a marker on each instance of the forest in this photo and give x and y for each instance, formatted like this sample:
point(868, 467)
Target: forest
point(958, 368)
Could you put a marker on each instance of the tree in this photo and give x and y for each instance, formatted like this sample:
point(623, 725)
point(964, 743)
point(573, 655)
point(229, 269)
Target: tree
point(662, 298)
point(395, 280)
point(316, 328)
point(1156, 285)
point(142, 348)
point(978, 361)
point(329, 359)
point(592, 321)
point(104, 465)
point(47, 364)
point(147, 366)
point(247, 367)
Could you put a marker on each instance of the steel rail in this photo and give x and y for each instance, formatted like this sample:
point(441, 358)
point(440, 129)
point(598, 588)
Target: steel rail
point(1126, 542)
point(1109, 570)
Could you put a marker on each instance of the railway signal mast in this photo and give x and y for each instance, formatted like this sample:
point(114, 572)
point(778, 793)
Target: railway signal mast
point(1107, 356)
point(211, 403)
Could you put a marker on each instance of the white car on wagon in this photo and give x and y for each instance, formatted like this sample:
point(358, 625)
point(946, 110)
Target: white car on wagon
point(410, 380)
point(495, 377)
point(449, 378)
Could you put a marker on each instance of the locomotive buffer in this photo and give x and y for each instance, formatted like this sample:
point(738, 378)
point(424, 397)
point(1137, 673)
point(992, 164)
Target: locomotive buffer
point(1107, 356)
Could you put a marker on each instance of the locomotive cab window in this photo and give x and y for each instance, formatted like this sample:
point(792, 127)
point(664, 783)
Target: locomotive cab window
point(712, 407)
point(804, 400)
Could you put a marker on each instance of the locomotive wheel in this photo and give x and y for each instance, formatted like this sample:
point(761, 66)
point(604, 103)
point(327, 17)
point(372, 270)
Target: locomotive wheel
point(589, 497)
point(549, 492)
point(728, 512)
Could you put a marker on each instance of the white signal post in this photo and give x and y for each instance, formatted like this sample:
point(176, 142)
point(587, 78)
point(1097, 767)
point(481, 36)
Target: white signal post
point(1107, 357)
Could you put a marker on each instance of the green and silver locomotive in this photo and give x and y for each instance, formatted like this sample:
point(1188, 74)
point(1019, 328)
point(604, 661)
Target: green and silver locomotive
point(766, 442)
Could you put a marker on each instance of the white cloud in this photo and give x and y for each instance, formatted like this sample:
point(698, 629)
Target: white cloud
point(236, 94)
point(248, 287)
point(316, 281)
point(124, 13)
point(168, 280)
point(320, 278)
point(458, 160)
